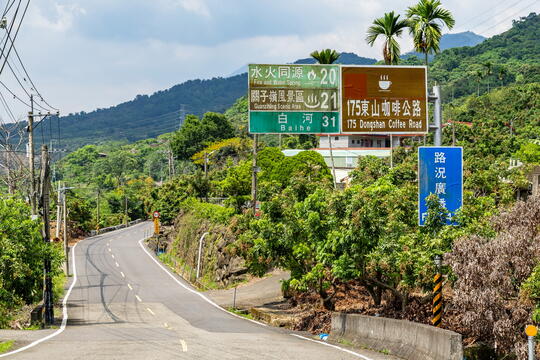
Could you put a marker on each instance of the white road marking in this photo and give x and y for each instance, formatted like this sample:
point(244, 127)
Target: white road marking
point(150, 311)
point(129, 286)
point(116, 262)
point(184, 345)
point(110, 250)
point(112, 256)
point(138, 298)
point(195, 291)
point(333, 346)
point(121, 273)
point(166, 325)
point(64, 313)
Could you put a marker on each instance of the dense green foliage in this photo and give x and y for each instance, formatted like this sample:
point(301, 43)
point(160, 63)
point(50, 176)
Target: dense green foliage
point(22, 251)
point(195, 133)
point(511, 57)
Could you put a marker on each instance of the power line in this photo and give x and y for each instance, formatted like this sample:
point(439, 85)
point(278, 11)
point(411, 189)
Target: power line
point(476, 19)
point(508, 17)
point(29, 78)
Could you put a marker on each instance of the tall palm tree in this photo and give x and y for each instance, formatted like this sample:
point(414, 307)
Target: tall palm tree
point(389, 26)
point(502, 74)
point(488, 68)
point(326, 56)
point(426, 20)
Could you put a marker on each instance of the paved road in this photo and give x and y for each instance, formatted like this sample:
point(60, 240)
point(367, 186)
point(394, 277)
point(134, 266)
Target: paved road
point(124, 306)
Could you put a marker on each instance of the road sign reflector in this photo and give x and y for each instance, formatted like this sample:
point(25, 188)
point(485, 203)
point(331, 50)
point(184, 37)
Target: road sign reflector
point(531, 330)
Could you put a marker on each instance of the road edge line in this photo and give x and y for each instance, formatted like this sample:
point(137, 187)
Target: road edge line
point(333, 346)
point(64, 312)
point(195, 291)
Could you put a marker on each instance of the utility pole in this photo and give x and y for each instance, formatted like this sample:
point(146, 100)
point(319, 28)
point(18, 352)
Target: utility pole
point(33, 193)
point(254, 176)
point(58, 212)
point(46, 232)
point(97, 215)
point(66, 246)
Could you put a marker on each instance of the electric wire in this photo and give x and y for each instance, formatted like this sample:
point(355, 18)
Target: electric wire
point(508, 17)
point(16, 33)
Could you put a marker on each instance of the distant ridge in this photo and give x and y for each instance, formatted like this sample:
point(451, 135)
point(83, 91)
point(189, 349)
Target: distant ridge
point(449, 41)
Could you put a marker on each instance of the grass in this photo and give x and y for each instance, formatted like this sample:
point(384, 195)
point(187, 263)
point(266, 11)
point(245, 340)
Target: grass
point(345, 342)
point(59, 282)
point(242, 313)
point(6, 345)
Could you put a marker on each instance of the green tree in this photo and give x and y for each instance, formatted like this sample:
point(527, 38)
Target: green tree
point(196, 133)
point(326, 56)
point(425, 23)
point(390, 27)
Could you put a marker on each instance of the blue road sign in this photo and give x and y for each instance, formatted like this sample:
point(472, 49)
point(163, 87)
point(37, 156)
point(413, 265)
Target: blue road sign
point(440, 172)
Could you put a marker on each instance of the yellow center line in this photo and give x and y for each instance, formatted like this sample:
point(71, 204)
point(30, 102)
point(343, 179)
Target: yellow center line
point(138, 298)
point(184, 345)
point(129, 286)
point(150, 311)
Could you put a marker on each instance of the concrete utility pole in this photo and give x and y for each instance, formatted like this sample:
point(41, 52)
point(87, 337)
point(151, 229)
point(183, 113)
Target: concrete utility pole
point(66, 246)
point(97, 215)
point(254, 176)
point(46, 232)
point(58, 212)
point(31, 155)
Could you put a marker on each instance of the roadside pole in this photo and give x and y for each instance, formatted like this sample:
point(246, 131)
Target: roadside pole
point(31, 156)
point(46, 232)
point(66, 247)
point(437, 293)
point(200, 254)
point(58, 212)
point(531, 332)
point(437, 115)
point(332, 161)
point(254, 176)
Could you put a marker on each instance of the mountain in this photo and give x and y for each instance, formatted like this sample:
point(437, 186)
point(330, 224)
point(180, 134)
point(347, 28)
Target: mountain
point(511, 57)
point(344, 58)
point(448, 41)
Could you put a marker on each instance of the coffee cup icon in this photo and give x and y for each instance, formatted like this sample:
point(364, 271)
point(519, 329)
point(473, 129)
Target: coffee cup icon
point(384, 83)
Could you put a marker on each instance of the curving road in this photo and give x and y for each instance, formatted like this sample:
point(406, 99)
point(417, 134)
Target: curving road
point(124, 305)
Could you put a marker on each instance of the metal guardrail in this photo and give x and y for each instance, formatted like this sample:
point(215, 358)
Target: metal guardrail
point(113, 228)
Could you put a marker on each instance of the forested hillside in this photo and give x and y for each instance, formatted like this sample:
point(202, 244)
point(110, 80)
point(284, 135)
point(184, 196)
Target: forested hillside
point(511, 57)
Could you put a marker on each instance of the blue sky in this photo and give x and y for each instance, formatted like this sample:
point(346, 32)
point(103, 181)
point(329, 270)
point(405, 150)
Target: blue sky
point(93, 54)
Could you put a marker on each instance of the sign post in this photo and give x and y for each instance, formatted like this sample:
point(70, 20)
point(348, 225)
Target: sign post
point(294, 99)
point(156, 222)
point(384, 99)
point(440, 172)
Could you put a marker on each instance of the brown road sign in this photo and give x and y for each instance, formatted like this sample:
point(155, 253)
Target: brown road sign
point(384, 99)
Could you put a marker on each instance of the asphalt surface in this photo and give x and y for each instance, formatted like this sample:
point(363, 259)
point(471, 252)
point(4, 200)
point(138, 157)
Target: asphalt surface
point(125, 306)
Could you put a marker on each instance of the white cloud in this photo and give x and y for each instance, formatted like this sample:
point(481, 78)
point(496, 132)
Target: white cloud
point(61, 20)
point(196, 6)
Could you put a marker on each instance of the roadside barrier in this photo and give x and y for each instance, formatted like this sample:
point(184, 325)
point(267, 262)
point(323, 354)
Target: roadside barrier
point(117, 227)
point(402, 338)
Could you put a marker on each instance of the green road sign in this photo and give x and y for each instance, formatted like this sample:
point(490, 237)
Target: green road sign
point(294, 99)
point(274, 122)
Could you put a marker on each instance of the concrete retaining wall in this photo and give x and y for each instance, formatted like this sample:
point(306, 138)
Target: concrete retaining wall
point(402, 338)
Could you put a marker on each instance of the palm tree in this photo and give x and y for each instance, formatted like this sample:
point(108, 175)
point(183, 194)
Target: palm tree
point(502, 74)
point(425, 24)
point(389, 26)
point(326, 56)
point(488, 67)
